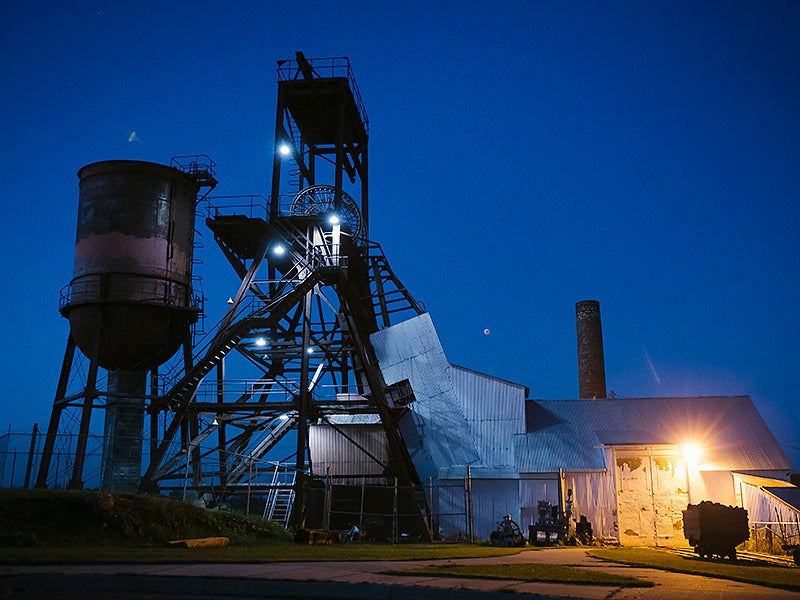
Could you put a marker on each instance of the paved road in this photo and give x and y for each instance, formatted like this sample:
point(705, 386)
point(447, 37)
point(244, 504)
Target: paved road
point(354, 580)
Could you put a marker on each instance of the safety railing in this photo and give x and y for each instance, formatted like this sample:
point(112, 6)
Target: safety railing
point(194, 164)
point(338, 66)
point(129, 288)
point(252, 206)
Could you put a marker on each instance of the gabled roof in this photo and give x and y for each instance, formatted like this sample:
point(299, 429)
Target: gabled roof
point(728, 429)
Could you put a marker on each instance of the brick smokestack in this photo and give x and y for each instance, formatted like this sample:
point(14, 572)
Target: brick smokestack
point(591, 364)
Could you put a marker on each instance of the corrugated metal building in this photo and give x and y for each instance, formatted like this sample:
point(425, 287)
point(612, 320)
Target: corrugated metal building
point(771, 504)
point(626, 461)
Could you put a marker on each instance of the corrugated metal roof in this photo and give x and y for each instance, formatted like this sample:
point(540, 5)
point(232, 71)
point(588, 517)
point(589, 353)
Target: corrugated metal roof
point(784, 491)
point(559, 447)
point(729, 429)
point(787, 495)
point(411, 350)
point(759, 481)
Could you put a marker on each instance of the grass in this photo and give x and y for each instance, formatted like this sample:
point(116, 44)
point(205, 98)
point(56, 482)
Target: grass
point(746, 571)
point(530, 572)
point(53, 518)
point(79, 527)
point(264, 553)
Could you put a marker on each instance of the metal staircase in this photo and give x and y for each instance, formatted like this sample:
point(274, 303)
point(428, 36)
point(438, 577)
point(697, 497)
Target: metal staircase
point(289, 292)
point(241, 467)
point(226, 338)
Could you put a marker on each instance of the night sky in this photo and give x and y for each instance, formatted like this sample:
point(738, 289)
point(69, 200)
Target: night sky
point(523, 156)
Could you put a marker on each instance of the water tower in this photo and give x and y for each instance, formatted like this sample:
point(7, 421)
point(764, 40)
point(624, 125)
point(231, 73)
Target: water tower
point(130, 303)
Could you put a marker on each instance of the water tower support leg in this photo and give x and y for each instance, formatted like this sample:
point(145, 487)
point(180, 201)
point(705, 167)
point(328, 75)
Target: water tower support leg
point(55, 416)
point(89, 394)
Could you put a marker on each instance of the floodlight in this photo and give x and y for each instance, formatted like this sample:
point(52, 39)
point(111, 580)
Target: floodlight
point(692, 453)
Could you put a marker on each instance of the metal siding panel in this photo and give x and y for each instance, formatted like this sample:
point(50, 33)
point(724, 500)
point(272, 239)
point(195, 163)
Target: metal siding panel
point(595, 496)
point(449, 507)
point(533, 490)
point(491, 500)
point(330, 449)
point(495, 411)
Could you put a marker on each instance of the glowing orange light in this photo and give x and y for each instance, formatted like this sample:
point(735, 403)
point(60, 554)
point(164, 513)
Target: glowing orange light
point(692, 453)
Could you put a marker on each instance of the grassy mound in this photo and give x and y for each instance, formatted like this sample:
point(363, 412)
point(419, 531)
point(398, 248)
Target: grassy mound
point(69, 518)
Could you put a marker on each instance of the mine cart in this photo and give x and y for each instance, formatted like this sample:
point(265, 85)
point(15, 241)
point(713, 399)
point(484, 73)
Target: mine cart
point(714, 529)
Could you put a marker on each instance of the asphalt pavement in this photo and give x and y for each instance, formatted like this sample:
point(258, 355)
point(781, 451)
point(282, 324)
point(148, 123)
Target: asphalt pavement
point(357, 580)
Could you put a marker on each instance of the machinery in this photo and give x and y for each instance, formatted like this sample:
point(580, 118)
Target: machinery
point(293, 346)
point(550, 527)
point(507, 534)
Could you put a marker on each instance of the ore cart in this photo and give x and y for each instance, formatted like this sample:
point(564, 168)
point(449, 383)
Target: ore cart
point(714, 529)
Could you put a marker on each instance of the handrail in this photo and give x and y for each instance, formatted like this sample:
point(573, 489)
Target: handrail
point(338, 66)
point(193, 164)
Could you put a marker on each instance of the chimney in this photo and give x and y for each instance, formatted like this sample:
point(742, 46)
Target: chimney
point(591, 365)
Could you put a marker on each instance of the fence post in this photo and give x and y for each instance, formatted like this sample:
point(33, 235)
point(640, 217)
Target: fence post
point(13, 468)
point(31, 450)
point(361, 510)
point(469, 505)
point(5, 456)
point(434, 521)
point(466, 509)
point(326, 523)
point(394, 513)
point(249, 483)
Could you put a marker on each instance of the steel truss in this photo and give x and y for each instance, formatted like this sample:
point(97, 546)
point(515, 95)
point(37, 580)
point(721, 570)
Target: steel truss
point(294, 346)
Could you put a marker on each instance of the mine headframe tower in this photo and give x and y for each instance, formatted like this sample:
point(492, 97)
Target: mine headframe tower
point(313, 289)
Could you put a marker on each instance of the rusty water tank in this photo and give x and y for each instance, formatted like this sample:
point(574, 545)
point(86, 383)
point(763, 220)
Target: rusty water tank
point(591, 363)
point(130, 299)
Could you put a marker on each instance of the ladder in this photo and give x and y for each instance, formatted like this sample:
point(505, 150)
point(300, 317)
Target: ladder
point(278, 507)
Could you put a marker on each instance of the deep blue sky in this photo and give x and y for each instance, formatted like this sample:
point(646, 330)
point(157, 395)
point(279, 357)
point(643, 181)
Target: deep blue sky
point(523, 156)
